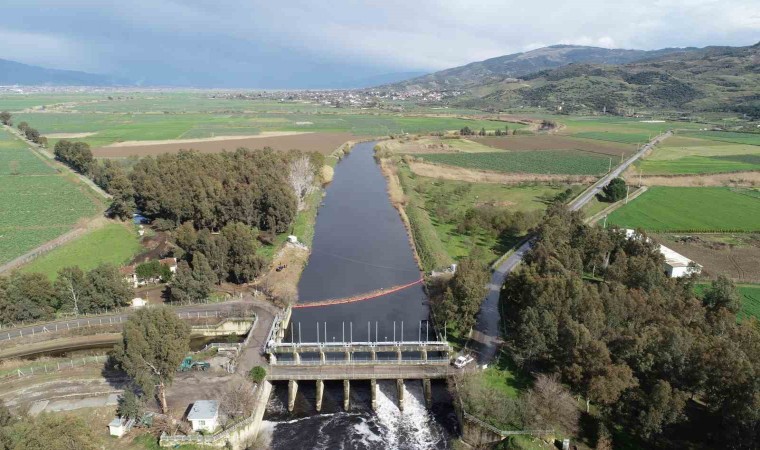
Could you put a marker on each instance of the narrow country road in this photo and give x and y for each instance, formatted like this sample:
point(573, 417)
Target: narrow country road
point(486, 335)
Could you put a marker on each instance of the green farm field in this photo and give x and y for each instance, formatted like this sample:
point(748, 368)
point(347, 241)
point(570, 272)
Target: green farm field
point(750, 298)
point(17, 159)
point(541, 162)
point(690, 155)
point(726, 136)
point(114, 243)
point(113, 128)
point(38, 205)
point(691, 209)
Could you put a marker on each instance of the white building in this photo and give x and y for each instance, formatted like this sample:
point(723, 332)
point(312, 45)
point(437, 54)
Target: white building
point(676, 265)
point(204, 416)
point(119, 426)
point(139, 302)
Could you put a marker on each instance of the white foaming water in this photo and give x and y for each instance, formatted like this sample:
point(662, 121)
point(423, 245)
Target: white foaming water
point(414, 427)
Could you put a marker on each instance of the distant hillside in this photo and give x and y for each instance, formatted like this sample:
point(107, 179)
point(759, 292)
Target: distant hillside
point(708, 79)
point(517, 65)
point(12, 72)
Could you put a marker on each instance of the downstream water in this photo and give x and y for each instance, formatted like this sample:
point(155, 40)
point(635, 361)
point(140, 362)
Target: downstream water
point(360, 245)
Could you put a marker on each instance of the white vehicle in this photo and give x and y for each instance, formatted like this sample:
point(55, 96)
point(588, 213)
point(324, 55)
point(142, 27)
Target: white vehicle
point(462, 361)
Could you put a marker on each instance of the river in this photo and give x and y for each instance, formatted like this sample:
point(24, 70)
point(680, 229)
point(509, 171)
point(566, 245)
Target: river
point(360, 245)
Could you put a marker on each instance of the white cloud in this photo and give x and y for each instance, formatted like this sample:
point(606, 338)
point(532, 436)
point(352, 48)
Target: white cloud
point(381, 36)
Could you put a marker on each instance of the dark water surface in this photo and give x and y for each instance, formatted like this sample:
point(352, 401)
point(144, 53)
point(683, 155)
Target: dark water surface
point(360, 245)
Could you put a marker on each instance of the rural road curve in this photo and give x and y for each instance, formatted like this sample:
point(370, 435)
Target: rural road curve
point(486, 337)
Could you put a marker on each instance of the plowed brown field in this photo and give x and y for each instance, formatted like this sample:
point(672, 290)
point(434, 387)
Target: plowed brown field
point(323, 143)
point(554, 142)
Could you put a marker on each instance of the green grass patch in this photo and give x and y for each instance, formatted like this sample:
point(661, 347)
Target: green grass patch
point(114, 243)
point(433, 196)
point(690, 209)
point(16, 158)
point(727, 136)
point(504, 376)
point(683, 155)
point(701, 165)
point(544, 162)
point(625, 138)
point(431, 251)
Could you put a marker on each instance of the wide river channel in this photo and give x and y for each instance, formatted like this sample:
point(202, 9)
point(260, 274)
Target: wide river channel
point(360, 245)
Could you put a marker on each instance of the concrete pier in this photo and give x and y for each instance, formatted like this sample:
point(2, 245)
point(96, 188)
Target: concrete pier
point(320, 392)
point(373, 391)
point(400, 389)
point(346, 395)
point(426, 389)
point(292, 391)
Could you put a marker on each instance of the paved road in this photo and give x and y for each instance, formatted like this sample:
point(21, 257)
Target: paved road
point(486, 336)
point(200, 310)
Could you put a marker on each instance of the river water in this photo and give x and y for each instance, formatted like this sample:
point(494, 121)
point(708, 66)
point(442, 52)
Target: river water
point(360, 245)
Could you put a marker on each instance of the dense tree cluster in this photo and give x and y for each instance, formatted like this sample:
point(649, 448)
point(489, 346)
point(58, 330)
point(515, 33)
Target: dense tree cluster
point(31, 133)
point(211, 190)
point(211, 258)
point(462, 296)
point(76, 155)
point(5, 118)
point(629, 339)
point(32, 296)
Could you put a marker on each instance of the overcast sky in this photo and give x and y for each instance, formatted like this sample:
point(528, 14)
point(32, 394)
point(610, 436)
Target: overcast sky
point(308, 43)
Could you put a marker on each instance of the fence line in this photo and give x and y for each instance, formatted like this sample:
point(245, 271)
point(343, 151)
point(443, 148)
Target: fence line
point(42, 369)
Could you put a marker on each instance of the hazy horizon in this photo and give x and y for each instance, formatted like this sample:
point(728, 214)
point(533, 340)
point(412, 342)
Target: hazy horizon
point(257, 44)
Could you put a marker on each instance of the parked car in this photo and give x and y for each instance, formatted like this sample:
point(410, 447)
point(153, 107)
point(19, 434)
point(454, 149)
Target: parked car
point(462, 361)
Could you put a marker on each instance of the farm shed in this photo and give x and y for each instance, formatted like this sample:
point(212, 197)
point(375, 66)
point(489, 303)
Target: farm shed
point(204, 415)
point(676, 265)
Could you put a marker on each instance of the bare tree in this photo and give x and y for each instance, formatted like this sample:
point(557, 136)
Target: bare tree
point(237, 400)
point(550, 405)
point(301, 179)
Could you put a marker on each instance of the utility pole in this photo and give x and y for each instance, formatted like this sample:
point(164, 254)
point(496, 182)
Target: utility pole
point(627, 191)
point(610, 169)
point(604, 225)
point(640, 176)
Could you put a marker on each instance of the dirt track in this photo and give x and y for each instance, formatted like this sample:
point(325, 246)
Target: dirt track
point(746, 179)
point(324, 143)
point(481, 176)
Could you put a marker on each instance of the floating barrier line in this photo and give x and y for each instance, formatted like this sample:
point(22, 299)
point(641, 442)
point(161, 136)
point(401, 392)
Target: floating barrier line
point(359, 298)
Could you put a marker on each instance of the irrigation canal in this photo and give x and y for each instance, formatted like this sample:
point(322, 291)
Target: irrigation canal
point(360, 245)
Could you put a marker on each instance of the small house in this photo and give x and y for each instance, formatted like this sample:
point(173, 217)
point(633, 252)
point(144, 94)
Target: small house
point(119, 426)
point(171, 263)
point(204, 415)
point(293, 239)
point(130, 275)
point(138, 302)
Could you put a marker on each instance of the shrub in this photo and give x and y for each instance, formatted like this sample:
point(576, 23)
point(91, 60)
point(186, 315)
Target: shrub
point(257, 374)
